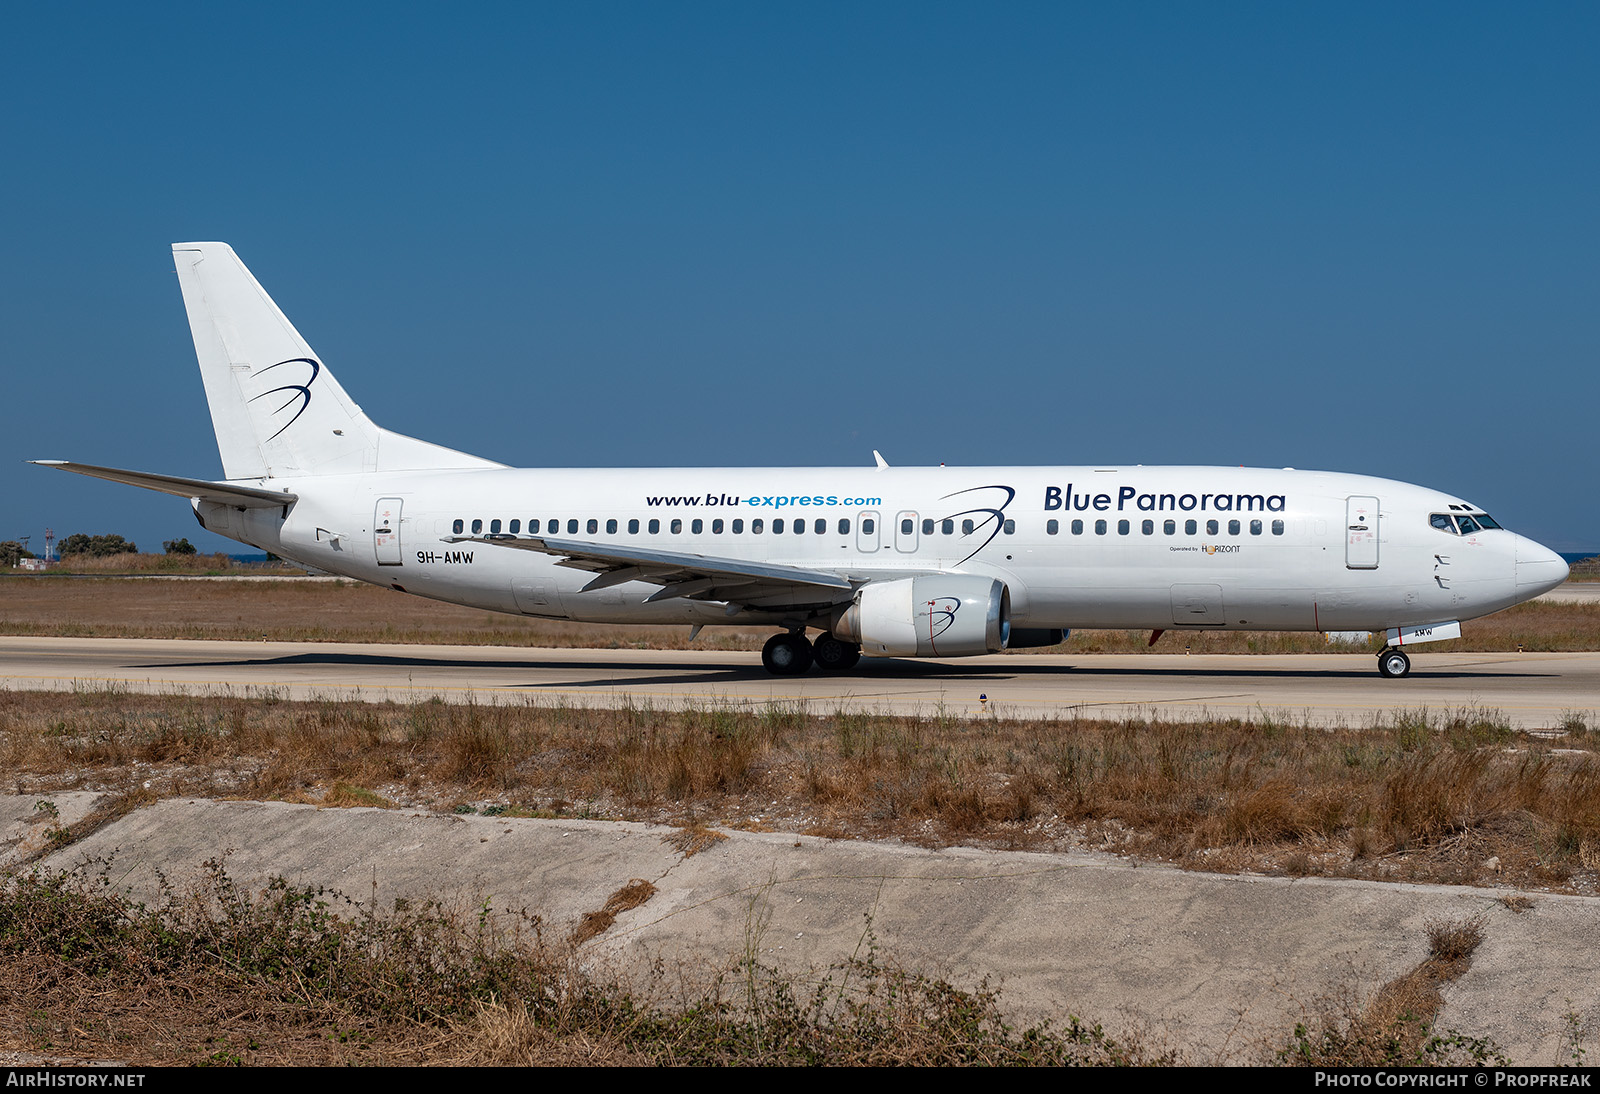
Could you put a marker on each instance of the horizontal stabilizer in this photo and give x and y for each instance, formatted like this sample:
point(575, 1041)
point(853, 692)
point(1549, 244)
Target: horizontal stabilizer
point(240, 497)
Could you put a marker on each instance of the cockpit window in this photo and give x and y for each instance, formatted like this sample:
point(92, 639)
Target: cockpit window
point(1468, 525)
point(1486, 520)
point(1443, 522)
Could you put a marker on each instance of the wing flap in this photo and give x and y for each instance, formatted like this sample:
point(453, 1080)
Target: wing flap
point(702, 577)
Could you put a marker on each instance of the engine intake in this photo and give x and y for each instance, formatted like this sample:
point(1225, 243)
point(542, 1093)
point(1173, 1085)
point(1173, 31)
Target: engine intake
point(937, 615)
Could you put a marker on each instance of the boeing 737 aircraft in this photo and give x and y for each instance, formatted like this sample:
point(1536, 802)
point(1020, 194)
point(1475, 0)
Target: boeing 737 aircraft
point(884, 561)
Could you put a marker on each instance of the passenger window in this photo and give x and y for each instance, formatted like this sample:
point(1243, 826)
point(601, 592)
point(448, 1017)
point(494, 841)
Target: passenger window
point(655, 527)
point(716, 527)
point(1233, 527)
point(677, 526)
point(1190, 527)
point(1009, 527)
point(844, 526)
point(494, 527)
point(777, 526)
point(820, 526)
point(1255, 528)
point(457, 526)
point(633, 526)
point(927, 526)
point(1211, 527)
point(800, 526)
point(1052, 527)
point(906, 526)
point(611, 527)
point(1099, 527)
point(553, 527)
point(593, 526)
point(1277, 527)
point(948, 527)
point(572, 526)
point(1122, 527)
point(477, 527)
point(516, 526)
point(697, 526)
point(1170, 527)
point(966, 527)
point(1148, 527)
point(868, 526)
point(738, 527)
point(1077, 527)
point(756, 526)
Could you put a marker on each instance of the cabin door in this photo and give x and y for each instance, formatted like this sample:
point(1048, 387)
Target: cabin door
point(1361, 533)
point(386, 532)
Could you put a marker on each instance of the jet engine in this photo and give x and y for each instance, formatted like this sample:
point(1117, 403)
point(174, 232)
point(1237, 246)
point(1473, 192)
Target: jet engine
point(936, 615)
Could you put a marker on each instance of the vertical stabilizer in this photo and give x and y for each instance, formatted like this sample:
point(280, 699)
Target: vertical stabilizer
point(277, 410)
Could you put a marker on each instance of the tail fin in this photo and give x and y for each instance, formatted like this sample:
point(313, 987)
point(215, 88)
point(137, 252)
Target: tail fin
point(277, 410)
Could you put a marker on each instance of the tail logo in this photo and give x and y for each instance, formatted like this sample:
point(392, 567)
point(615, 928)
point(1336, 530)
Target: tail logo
point(298, 396)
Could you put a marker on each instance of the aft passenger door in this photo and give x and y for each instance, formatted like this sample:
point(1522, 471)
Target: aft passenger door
point(386, 532)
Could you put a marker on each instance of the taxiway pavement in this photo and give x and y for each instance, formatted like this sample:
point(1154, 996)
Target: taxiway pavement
point(1531, 690)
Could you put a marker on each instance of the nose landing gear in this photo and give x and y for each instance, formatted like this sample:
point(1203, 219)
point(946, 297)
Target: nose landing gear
point(1393, 663)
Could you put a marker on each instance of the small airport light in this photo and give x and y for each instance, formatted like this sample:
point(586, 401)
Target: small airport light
point(983, 698)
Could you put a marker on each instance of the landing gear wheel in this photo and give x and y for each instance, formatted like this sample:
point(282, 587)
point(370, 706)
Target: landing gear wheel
point(786, 654)
point(1393, 664)
point(834, 655)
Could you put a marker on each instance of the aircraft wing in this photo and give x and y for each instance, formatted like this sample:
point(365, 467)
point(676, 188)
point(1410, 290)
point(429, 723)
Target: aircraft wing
point(224, 493)
point(699, 577)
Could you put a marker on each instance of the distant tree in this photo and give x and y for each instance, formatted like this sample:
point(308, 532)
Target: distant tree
point(12, 552)
point(178, 547)
point(96, 546)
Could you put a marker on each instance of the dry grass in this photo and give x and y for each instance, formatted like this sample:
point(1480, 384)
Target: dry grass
point(287, 975)
point(344, 611)
point(1395, 1027)
point(146, 563)
point(1457, 797)
point(630, 896)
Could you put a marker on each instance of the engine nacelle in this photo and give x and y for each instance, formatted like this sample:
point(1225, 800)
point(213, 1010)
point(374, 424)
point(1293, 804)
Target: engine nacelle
point(937, 615)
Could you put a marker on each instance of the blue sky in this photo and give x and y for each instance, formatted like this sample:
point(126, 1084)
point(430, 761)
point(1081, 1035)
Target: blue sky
point(1352, 236)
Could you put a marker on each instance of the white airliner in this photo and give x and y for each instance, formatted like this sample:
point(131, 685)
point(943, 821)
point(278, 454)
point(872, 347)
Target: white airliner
point(886, 561)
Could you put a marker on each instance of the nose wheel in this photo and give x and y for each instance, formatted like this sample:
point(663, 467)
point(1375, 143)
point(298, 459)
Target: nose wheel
point(1393, 664)
point(786, 654)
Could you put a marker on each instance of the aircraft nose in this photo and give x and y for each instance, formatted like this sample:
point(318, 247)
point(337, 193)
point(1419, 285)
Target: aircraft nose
point(1539, 569)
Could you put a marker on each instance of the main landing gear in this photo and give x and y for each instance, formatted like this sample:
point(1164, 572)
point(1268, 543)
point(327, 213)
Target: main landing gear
point(1393, 664)
point(791, 654)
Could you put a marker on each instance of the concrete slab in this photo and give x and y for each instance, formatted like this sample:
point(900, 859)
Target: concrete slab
point(1217, 965)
